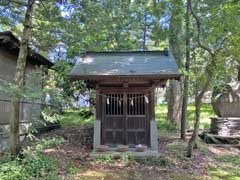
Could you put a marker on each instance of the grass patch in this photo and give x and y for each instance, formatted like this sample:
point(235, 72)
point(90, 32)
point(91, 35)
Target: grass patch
point(226, 167)
point(76, 117)
point(177, 150)
point(163, 123)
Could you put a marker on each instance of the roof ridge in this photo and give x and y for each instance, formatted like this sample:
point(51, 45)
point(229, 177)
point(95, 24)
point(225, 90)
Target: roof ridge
point(161, 52)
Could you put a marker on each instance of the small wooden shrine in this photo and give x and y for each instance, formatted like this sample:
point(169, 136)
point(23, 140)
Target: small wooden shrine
point(125, 83)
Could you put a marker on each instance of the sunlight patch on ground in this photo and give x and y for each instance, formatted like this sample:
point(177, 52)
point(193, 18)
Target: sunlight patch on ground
point(102, 175)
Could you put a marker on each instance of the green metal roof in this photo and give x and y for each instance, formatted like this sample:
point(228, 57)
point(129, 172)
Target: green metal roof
point(130, 63)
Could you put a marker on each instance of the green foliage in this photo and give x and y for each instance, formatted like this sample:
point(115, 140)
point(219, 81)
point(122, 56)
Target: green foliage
point(76, 117)
point(165, 125)
point(177, 150)
point(155, 161)
point(226, 167)
point(48, 143)
point(33, 165)
point(126, 159)
point(31, 92)
point(233, 159)
point(73, 170)
point(37, 167)
point(50, 116)
point(106, 158)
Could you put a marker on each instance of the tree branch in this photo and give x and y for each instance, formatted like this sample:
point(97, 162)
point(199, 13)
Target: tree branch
point(21, 3)
point(199, 30)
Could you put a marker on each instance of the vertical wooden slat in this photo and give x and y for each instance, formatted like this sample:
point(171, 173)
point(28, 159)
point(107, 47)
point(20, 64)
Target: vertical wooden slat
point(134, 104)
point(138, 104)
point(106, 105)
point(125, 109)
point(116, 99)
point(117, 102)
point(114, 105)
point(130, 108)
point(122, 104)
point(111, 104)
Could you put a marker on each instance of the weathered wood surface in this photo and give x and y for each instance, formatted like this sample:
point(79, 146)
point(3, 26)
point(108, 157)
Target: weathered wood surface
point(125, 115)
point(225, 126)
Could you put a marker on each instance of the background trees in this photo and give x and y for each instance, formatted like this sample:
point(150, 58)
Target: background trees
point(205, 43)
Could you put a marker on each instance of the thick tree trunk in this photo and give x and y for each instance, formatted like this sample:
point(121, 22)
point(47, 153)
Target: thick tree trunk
point(175, 45)
point(19, 80)
point(174, 102)
point(186, 78)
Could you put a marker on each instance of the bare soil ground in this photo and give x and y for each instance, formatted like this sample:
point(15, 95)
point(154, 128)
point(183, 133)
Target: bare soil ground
point(74, 162)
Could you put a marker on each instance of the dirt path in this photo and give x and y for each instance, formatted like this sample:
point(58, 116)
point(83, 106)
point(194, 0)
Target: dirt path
point(73, 162)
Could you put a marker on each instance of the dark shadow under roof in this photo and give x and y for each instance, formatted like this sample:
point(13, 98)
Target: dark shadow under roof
point(11, 43)
point(131, 63)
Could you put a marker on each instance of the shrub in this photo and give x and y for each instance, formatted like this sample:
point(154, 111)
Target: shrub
point(39, 167)
point(177, 149)
point(126, 159)
point(106, 158)
point(166, 125)
point(33, 165)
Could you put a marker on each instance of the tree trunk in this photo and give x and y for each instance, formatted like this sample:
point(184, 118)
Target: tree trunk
point(186, 78)
point(239, 73)
point(175, 46)
point(19, 80)
point(198, 102)
point(193, 140)
point(174, 102)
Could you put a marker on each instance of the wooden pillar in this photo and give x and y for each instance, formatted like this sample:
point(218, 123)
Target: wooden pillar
point(98, 104)
point(152, 100)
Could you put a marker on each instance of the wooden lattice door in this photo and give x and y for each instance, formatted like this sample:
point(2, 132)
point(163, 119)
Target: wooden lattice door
point(113, 124)
point(125, 118)
point(136, 119)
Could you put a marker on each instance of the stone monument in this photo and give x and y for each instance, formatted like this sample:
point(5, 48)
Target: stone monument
point(226, 105)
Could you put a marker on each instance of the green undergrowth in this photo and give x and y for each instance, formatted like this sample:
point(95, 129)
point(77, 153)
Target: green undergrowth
point(164, 125)
point(76, 117)
point(80, 116)
point(125, 159)
point(225, 167)
point(177, 150)
point(33, 163)
point(155, 161)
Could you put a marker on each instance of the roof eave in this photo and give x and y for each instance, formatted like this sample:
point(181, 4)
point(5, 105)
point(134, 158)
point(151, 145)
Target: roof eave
point(9, 39)
point(176, 76)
